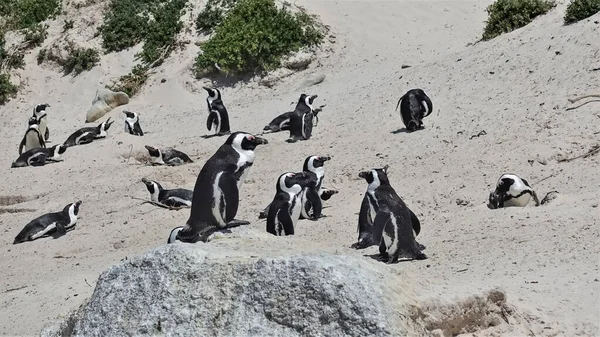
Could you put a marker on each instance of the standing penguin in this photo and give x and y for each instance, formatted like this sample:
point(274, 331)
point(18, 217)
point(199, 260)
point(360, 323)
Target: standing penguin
point(167, 156)
point(301, 120)
point(217, 113)
point(87, 134)
point(39, 156)
point(414, 106)
point(512, 190)
point(285, 208)
point(39, 112)
point(50, 223)
point(132, 123)
point(216, 193)
point(33, 138)
point(393, 225)
point(312, 195)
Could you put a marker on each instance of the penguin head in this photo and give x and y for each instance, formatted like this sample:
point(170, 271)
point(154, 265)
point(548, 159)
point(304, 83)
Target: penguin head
point(152, 186)
point(40, 107)
point(154, 152)
point(312, 163)
point(33, 121)
point(173, 235)
point(73, 209)
point(104, 126)
point(213, 93)
point(59, 149)
point(307, 100)
point(293, 182)
point(131, 115)
point(242, 141)
point(375, 177)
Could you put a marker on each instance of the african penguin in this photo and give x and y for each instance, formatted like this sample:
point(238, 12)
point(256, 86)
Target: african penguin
point(50, 224)
point(132, 123)
point(216, 193)
point(285, 208)
point(39, 112)
point(87, 134)
point(167, 156)
point(512, 190)
point(33, 138)
point(414, 106)
point(178, 197)
point(301, 120)
point(282, 122)
point(39, 156)
point(217, 113)
point(393, 226)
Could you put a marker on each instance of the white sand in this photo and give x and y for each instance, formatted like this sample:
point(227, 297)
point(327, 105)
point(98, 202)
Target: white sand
point(521, 106)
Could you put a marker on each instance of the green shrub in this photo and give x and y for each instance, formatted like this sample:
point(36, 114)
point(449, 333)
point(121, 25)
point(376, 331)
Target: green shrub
point(7, 89)
point(507, 15)
point(212, 15)
point(41, 56)
point(25, 13)
point(578, 10)
point(35, 35)
point(80, 60)
point(14, 60)
point(161, 32)
point(255, 35)
point(68, 24)
point(124, 24)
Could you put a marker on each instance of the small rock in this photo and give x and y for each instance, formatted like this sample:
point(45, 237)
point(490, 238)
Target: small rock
point(163, 80)
point(404, 66)
point(557, 52)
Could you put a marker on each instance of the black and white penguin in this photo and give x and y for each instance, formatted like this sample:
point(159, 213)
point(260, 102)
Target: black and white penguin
point(32, 139)
point(178, 197)
point(312, 195)
point(301, 120)
point(87, 134)
point(286, 207)
point(217, 113)
point(132, 123)
point(39, 112)
point(216, 193)
point(279, 123)
point(394, 224)
point(49, 224)
point(167, 156)
point(414, 106)
point(512, 191)
point(39, 156)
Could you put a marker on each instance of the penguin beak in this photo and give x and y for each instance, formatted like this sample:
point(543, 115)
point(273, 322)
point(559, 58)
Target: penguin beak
point(145, 181)
point(313, 97)
point(209, 90)
point(321, 158)
point(363, 174)
point(78, 203)
point(259, 140)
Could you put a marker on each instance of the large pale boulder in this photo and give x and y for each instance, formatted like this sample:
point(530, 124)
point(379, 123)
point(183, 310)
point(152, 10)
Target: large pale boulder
point(105, 101)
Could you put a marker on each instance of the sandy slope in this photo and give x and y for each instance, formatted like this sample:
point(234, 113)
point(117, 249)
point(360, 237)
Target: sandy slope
point(514, 87)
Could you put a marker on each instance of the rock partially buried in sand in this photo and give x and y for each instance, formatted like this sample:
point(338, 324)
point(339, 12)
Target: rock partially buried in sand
point(104, 102)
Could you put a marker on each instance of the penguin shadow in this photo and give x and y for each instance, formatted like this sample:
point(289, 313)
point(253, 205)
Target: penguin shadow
point(405, 130)
point(215, 135)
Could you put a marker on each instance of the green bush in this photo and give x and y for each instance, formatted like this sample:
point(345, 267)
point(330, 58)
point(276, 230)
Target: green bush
point(10, 60)
point(124, 24)
point(7, 89)
point(578, 10)
point(25, 13)
point(212, 15)
point(507, 15)
point(161, 31)
point(80, 60)
point(35, 35)
point(255, 35)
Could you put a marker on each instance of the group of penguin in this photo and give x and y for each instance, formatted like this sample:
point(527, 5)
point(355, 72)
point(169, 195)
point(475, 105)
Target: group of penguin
point(384, 219)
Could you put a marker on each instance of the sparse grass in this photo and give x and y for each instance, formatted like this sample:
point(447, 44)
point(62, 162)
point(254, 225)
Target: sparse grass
point(68, 24)
point(77, 61)
point(578, 10)
point(255, 35)
point(504, 16)
point(212, 15)
point(132, 83)
point(8, 61)
point(35, 35)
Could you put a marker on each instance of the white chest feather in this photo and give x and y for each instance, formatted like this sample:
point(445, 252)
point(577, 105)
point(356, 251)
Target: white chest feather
point(216, 206)
point(72, 218)
point(245, 157)
point(296, 208)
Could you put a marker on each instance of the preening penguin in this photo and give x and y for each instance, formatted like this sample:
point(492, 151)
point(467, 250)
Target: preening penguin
point(50, 224)
point(414, 106)
point(33, 138)
point(174, 198)
point(132, 123)
point(285, 208)
point(39, 156)
point(511, 190)
point(39, 112)
point(393, 225)
point(217, 113)
point(87, 134)
point(216, 193)
point(301, 120)
point(167, 156)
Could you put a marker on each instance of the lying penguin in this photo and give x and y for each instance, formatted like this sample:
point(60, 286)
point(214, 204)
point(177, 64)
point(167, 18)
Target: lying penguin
point(167, 156)
point(172, 199)
point(56, 224)
point(87, 134)
point(511, 191)
point(33, 137)
point(39, 156)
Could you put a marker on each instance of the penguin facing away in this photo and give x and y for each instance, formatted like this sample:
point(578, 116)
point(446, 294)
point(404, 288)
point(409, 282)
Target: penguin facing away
point(393, 228)
point(167, 156)
point(39, 112)
point(414, 106)
point(512, 191)
point(132, 123)
point(174, 198)
point(39, 156)
point(56, 224)
point(88, 134)
point(301, 120)
point(217, 113)
point(216, 192)
point(285, 208)
point(33, 138)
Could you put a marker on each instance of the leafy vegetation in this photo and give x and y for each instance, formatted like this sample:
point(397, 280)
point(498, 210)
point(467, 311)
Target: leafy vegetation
point(26, 13)
point(212, 15)
point(7, 89)
point(77, 61)
point(255, 35)
point(8, 61)
point(132, 82)
point(578, 10)
point(68, 24)
point(35, 35)
point(507, 15)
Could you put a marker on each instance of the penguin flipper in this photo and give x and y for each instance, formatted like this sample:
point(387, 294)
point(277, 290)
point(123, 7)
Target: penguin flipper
point(210, 120)
point(327, 193)
point(47, 133)
point(265, 212)
point(365, 226)
point(416, 224)
point(228, 184)
point(21, 146)
point(313, 197)
point(381, 220)
point(38, 160)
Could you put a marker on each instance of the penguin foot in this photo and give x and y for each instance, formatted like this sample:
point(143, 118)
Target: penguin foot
point(421, 247)
point(292, 140)
point(236, 223)
point(420, 256)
